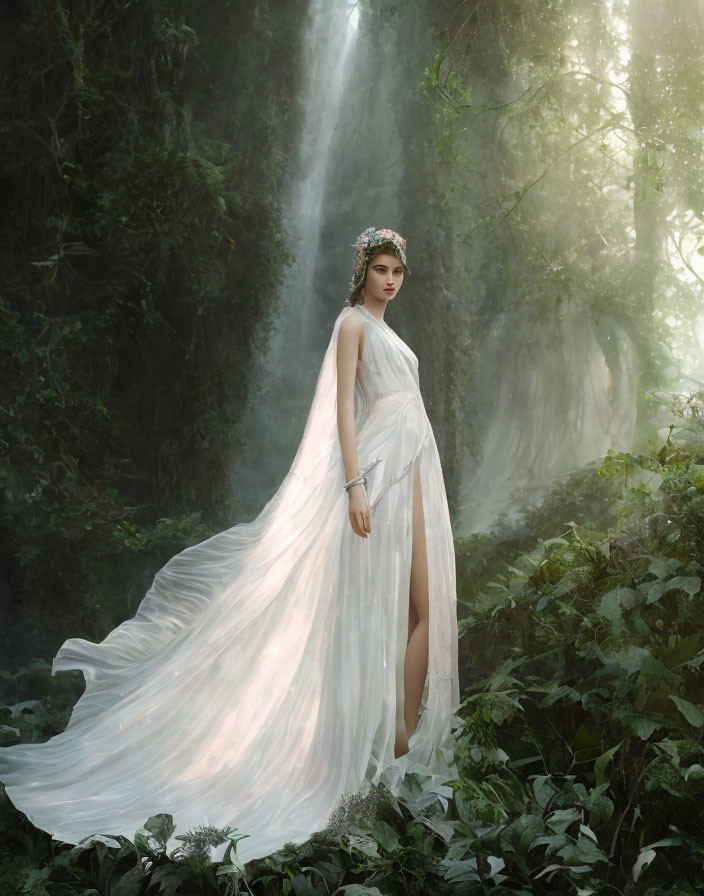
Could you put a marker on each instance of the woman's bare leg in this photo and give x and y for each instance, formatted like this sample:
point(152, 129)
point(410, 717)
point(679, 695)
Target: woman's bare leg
point(412, 620)
point(416, 667)
point(416, 661)
point(401, 745)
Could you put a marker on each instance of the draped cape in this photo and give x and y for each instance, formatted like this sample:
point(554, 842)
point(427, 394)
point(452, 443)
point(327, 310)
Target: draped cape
point(262, 675)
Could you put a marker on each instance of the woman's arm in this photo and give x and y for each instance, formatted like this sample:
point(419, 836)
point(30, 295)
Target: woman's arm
point(350, 342)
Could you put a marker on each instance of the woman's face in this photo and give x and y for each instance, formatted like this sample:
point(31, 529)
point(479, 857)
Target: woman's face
point(384, 278)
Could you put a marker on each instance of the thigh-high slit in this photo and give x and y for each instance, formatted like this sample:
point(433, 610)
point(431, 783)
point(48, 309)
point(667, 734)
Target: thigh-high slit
point(416, 660)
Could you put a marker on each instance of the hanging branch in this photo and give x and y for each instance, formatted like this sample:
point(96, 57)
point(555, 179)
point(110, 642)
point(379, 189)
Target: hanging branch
point(529, 186)
point(678, 246)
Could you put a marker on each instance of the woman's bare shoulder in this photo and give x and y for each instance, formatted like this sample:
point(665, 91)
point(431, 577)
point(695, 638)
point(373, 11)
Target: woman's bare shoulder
point(351, 325)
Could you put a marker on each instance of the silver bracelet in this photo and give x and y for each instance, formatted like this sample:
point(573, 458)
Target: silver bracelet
point(362, 476)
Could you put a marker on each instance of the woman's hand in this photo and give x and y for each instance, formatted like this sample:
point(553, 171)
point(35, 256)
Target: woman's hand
point(360, 515)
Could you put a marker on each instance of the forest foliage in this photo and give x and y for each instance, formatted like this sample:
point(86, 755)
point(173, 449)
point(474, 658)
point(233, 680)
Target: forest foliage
point(141, 246)
point(570, 131)
point(578, 762)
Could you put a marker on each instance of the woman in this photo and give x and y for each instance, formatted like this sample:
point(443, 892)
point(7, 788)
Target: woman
point(286, 661)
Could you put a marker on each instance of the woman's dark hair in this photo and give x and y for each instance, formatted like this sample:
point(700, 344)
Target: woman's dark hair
point(381, 249)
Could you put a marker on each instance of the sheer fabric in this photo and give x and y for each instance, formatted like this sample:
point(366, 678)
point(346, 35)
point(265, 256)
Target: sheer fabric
point(262, 676)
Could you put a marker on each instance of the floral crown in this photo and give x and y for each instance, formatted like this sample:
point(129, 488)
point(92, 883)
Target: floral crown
point(369, 240)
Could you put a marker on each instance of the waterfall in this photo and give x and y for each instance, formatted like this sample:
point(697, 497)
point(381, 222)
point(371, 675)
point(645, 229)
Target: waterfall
point(567, 394)
point(284, 378)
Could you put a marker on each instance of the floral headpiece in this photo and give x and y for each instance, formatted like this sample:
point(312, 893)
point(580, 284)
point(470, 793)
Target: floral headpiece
point(370, 239)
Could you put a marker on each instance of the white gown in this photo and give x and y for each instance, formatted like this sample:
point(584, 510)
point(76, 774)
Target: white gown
point(262, 676)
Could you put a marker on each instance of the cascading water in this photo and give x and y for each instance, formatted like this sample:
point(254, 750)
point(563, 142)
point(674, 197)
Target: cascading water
point(285, 376)
point(568, 394)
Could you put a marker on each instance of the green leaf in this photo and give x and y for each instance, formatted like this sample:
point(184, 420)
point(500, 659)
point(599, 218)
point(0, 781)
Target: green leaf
point(689, 584)
point(169, 878)
point(458, 871)
point(303, 886)
point(161, 826)
point(666, 841)
point(583, 851)
point(696, 661)
point(554, 692)
point(87, 842)
point(653, 671)
point(543, 602)
point(603, 761)
point(551, 870)
point(663, 567)
point(588, 832)
point(366, 845)
point(386, 836)
point(640, 725)
point(229, 868)
point(597, 802)
point(551, 541)
point(553, 843)
point(443, 829)
point(630, 598)
point(543, 790)
point(610, 607)
point(495, 865)
point(359, 890)
point(691, 712)
point(643, 860)
point(130, 884)
point(142, 845)
point(561, 819)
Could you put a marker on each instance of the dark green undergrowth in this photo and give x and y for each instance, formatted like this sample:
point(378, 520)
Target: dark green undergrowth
point(142, 245)
point(578, 756)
